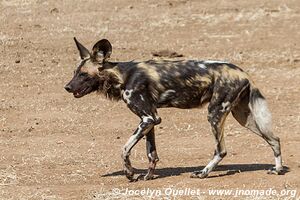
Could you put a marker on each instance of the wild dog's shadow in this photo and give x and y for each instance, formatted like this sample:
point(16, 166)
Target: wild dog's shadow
point(227, 169)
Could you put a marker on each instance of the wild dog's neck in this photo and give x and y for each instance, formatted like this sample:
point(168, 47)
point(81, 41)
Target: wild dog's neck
point(110, 81)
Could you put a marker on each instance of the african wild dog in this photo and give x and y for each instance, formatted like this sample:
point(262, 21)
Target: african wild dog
point(146, 86)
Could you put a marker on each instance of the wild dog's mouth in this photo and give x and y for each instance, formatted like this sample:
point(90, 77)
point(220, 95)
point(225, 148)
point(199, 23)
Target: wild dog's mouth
point(81, 93)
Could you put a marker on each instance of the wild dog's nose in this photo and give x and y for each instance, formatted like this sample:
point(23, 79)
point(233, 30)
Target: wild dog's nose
point(68, 88)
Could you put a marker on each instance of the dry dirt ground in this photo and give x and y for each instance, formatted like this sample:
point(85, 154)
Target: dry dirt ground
point(53, 146)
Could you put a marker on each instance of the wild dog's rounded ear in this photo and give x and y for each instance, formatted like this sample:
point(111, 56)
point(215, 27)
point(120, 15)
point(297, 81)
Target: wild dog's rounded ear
point(101, 50)
point(84, 53)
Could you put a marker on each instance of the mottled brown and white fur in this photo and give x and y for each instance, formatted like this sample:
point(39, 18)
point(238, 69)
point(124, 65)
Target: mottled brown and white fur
point(148, 85)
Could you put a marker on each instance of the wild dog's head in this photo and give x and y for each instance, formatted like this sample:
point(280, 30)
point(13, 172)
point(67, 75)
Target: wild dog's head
point(86, 77)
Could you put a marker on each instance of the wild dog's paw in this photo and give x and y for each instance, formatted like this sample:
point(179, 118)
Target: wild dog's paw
point(148, 176)
point(128, 169)
point(138, 177)
point(199, 174)
point(144, 177)
point(129, 173)
point(275, 171)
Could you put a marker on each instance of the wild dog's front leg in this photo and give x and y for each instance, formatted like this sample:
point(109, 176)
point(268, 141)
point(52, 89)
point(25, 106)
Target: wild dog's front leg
point(138, 134)
point(139, 102)
point(151, 153)
point(144, 127)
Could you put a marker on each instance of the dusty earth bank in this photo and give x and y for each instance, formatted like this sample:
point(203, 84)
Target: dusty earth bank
point(53, 146)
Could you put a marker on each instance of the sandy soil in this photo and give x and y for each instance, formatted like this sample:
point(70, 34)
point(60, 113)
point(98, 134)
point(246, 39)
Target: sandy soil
point(53, 146)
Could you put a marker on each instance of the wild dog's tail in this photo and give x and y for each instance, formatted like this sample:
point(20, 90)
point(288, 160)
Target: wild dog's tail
point(260, 111)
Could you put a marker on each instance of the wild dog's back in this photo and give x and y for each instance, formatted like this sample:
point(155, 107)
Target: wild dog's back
point(184, 83)
point(172, 83)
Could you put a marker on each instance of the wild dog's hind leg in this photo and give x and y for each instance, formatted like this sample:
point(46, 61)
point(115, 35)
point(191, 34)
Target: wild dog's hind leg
point(261, 126)
point(217, 120)
point(223, 98)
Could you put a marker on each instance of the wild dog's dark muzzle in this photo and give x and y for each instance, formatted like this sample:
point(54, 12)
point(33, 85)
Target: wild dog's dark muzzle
point(68, 88)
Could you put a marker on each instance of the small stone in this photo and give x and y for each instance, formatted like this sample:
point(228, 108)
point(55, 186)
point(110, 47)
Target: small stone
point(54, 61)
point(18, 61)
point(54, 10)
point(296, 60)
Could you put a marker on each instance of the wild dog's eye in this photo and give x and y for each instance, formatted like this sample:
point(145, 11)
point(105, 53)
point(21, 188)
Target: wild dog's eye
point(82, 74)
